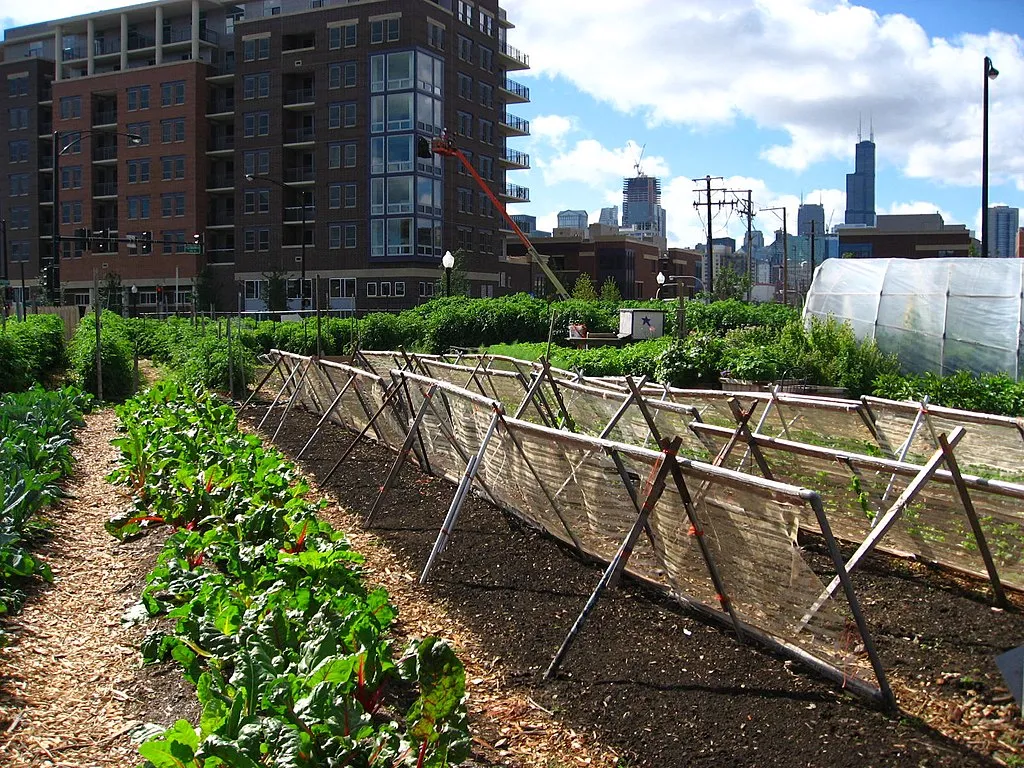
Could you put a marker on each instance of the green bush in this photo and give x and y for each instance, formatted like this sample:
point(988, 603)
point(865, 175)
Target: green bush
point(31, 351)
point(697, 359)
point(989, 392)
point(116, 356)
point(204, 361)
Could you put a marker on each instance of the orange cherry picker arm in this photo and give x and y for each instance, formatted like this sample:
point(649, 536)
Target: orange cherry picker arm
point(445, 147)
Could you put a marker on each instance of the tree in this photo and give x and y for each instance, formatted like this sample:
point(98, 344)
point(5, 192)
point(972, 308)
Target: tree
point(111, 294)
point(276, 296)
point(205, 289)
point(610, 291)
point(584, 288)
point(729, 284)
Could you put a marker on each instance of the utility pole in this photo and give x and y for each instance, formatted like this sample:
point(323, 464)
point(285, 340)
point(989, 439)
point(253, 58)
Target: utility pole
point(750, 242)
point(709, 276)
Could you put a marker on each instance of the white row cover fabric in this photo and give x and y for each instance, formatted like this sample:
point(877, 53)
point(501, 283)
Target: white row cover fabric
point(938, 315)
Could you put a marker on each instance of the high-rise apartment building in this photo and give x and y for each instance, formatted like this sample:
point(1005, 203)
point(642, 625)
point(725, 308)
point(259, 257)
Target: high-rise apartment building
point(609, 216)
point(642, 213)
point(321, 103)
point(1003, 223)
point(573, 220)
point(860, 186)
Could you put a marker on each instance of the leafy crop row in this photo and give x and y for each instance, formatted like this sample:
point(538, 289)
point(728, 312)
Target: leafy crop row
point(271, 620)
point(36, 432)
point(31, 351)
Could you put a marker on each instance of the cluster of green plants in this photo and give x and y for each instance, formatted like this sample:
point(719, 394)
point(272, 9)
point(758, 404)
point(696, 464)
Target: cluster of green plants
point(268, 614)
point(116, 356)
point(989, 392)
point(36, 433)
point(31, 351)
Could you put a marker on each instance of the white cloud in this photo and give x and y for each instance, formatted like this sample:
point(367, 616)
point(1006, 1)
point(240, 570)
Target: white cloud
point(591, 163)
point(551, 129)
point(805, 67)
point(918, 206)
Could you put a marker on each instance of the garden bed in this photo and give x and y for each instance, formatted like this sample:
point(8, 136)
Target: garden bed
point(662, 688)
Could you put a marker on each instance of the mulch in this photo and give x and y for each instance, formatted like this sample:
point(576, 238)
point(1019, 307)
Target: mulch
point(654, 685)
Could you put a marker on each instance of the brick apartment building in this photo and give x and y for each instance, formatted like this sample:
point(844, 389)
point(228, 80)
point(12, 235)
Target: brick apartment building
point(321, 101)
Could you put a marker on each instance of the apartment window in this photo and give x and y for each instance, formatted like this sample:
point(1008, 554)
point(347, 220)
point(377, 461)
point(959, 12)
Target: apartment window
point(342, 36)
point(334, 152)
point(399, 288)
point(465, 49)
point(172, 94)
point(465, 11)
point(141, 130)
point(341, 115)
point(429, 198)
point(376, 197)
point(376, 237)
point(172, 241)
point(256, 124)
point(17, 118)
point(350, 236)
point(253, 288)
point(256, 163)
point(263, 239)
point(464, 200)
point(256, 201)
point(71, 212)
point(172, 167)
point(377, 154)
point(334, 196)
point(485, 166)
point(464, 238)
point(382, 30)
point(465, 86)
point(371, 289)
point(17, 151)
point(17, 183)
point(486, 23)
point(138, 98)
point(435, 35)
point(484, 208)
point(400, 111)
point(138, 171)
point(18, 86)
point(384, 289)
point(400, 71)
point(334, 236)
point(486, 58)
point(19, 218)
point(486, 241)
point(350, 195)
point(342, 74)
point(427, 290)
point(71, 177)
point(256, 49)
point(486, 131)
point(172, 204)
point(172, 131)
point(400, 159)
point(464, 124)
point(20, 251)
point(342, 288)
point(70, 107)
point(249, 243)
point(486, 95)
point(349, 153)
point(256, 86)
point(138, 207)
point(376, 114)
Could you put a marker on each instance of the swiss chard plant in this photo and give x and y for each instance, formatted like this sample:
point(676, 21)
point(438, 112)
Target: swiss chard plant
point(265, 609)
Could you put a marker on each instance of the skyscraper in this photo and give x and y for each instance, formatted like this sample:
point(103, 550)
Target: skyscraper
point(641, 207)
point(860, 185)
point(610, 216)
point(572, 220)
point(807, 214)
point(1003, 222)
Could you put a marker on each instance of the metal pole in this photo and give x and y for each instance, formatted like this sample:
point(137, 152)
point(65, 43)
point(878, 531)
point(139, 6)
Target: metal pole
point(316, 304)
point(24, 296)
point(302, 258)
point(785, 259)
point(99, 341)
point(750, 242)
point(984, 160)
point(54, 278)
point(231, 363)
point(447, 282)
point(710, 283)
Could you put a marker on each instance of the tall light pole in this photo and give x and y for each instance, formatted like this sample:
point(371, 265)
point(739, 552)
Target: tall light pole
point(302, 256)
point(133, 139)
point(447, 261)
point(991, 73)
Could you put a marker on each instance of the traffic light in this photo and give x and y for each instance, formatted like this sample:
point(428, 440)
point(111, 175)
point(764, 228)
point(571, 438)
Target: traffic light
point(100, 241)
point(159, 295)
point(146, 242)
point(197, 238)
point(132, 241)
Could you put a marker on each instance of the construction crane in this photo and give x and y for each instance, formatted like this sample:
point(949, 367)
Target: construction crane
point(636, 166)
point(445, 147)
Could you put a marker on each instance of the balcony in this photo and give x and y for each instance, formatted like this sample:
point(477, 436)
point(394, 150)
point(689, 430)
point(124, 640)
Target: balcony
point(220, 144)
point(184, 35)
point(513, 58)
point(104, 189)
point(299, 175)
point(300, 96)
point(104, 117)
point(73, 53)
point(294, 214)
point(515, 159)
point(516, 194)
point(220, 106)
point(105, 47)
point(104, 154)
point(108, 225)
point(220, 181)
point(306, 135)
point(515, 126)
point(138, 42)
point(515, 93)
point(221, 219)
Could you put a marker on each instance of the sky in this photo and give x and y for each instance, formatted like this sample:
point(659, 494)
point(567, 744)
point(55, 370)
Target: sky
point(768, 94)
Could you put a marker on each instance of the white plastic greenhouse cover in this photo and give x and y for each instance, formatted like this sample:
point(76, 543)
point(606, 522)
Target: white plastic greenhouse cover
point(939, 315)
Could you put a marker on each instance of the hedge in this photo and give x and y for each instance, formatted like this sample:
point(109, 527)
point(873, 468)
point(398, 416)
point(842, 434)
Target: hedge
point(32, 351)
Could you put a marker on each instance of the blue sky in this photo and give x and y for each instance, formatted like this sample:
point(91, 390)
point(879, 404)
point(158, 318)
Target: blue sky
point(766, 93)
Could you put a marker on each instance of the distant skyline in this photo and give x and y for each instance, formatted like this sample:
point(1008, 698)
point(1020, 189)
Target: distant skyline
point(766, 93)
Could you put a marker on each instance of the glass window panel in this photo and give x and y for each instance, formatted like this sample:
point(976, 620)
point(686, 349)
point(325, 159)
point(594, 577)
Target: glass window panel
point(400, 158)
point(399, 70)
point(399, 111)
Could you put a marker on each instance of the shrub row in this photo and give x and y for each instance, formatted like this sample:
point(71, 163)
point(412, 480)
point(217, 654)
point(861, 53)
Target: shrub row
point(267, 611)
point(32, 351)
point(991, 393)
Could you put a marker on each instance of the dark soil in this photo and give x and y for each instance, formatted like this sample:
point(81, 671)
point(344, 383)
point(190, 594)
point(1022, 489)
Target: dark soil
point(648, 678)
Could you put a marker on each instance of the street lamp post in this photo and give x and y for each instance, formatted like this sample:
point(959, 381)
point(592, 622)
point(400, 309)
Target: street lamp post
point(133, 139)
point(302, 255)
point(447, 261)
point(991, 73)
